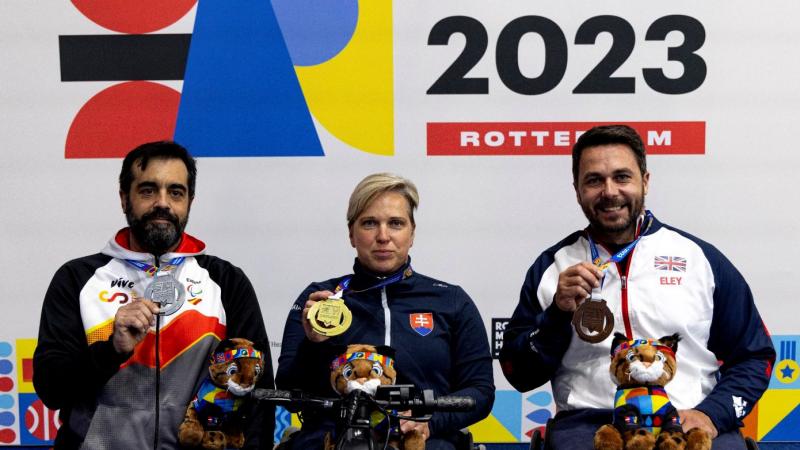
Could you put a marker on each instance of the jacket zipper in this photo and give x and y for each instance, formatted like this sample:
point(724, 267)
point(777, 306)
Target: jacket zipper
point(387, 317)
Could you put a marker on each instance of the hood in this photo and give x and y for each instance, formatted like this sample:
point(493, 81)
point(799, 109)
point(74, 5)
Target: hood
point(119, 246)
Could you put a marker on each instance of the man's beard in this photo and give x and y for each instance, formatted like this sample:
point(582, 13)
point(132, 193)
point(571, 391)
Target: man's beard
point(635, 209)
point(156, 238)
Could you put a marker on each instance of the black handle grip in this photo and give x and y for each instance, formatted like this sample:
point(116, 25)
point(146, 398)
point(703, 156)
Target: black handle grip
point(272, 394)
point(455, 403)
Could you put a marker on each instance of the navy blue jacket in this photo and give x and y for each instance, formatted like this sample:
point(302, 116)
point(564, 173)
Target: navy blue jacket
point(453, 359)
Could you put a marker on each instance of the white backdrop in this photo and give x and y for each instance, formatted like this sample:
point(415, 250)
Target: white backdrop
point(482, 219)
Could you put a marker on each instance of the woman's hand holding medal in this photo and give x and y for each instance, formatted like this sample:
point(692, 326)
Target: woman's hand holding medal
point(312, 335)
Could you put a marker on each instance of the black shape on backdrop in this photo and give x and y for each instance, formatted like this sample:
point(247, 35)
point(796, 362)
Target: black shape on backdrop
point(123, 57)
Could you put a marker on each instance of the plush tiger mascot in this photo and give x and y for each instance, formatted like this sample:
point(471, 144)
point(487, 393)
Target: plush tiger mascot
point(644, 417)
point(213, 419)
point(365, 367)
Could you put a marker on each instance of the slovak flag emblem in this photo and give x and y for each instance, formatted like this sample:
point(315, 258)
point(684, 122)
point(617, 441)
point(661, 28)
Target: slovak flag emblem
point(422, 323)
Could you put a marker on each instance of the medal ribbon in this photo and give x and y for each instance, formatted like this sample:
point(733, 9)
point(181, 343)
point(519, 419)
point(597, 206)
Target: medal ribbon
point(401, 275)
point(153, 270)
point(620, 255)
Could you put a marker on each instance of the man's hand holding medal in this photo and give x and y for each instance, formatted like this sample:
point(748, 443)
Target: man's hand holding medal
point(131, 324)
point(592, 319)
point(575, 285)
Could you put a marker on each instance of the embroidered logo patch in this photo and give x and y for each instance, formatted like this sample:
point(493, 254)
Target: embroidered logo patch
point(422, 323)
point(739, 406)
point(672, 263)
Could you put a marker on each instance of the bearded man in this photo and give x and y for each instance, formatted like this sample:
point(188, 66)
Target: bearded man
point(125, 334)
point(631, 273)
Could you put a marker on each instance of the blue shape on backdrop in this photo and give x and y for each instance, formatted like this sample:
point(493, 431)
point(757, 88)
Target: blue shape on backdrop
point(241, 96)
point(786, 371)
point(507, 408)
point(540, 416)
point(7, 419)
point(5, 349)
point(316, 30)
point(283, 419)
point(787, 429)
point(6, 366)
point(6, 401)
point(541, 398)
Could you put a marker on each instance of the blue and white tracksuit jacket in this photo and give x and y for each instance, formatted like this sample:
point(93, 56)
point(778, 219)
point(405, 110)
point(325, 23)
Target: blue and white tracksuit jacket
point(725, 356)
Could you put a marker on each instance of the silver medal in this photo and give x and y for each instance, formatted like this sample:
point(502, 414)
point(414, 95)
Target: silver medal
point(167, 292)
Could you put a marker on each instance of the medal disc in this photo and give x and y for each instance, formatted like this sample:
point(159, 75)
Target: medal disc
point(330, 317)
point(167, 292)
point(593, 321)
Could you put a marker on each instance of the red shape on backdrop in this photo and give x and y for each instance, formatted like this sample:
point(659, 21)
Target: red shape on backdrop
point(530, 432)
point(42, 422)
point(134, 17)
point(27, 370)
point(7, 436)
point(6, 384)
point(122, 117)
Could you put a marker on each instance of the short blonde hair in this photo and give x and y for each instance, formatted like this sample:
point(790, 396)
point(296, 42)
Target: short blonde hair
point(376, 184)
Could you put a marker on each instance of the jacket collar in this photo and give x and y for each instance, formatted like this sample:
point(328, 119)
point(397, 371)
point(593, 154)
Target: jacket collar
point(364, 278)
point(119, 246)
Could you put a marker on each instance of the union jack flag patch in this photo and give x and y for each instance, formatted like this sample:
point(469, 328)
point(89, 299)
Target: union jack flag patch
point(673, 263)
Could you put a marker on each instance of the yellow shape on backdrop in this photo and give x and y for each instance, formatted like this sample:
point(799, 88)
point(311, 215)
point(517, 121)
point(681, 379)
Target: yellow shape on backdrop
point(25, 349)
point(491, 430)
point(774, 406)
point(789, 367)
point(352, 94)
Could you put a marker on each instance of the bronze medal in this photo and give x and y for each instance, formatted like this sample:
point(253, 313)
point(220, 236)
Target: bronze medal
point(593, 321)
point(330, 317)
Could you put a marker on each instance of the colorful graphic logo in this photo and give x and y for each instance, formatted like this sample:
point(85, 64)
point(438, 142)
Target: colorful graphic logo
point(41, 423)
point(121, 296)
point(422, 323)
point(258, 77)
point(786, 369)
point(515, 420)
point(778, 415)
point(8, 420)
point(193, 290)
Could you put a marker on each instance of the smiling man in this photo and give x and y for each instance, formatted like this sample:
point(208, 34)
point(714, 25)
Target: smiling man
point(99, 360)
point(655, 280)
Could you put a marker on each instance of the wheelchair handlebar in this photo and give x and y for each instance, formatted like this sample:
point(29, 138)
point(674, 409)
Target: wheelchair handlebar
point(399, 397)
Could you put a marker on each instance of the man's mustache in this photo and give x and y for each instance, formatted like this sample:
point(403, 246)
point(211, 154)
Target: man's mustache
point(160, 213)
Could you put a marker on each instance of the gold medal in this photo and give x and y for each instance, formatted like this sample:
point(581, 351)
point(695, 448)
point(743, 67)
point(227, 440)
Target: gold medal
point(330, 317)
point(593, 321)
